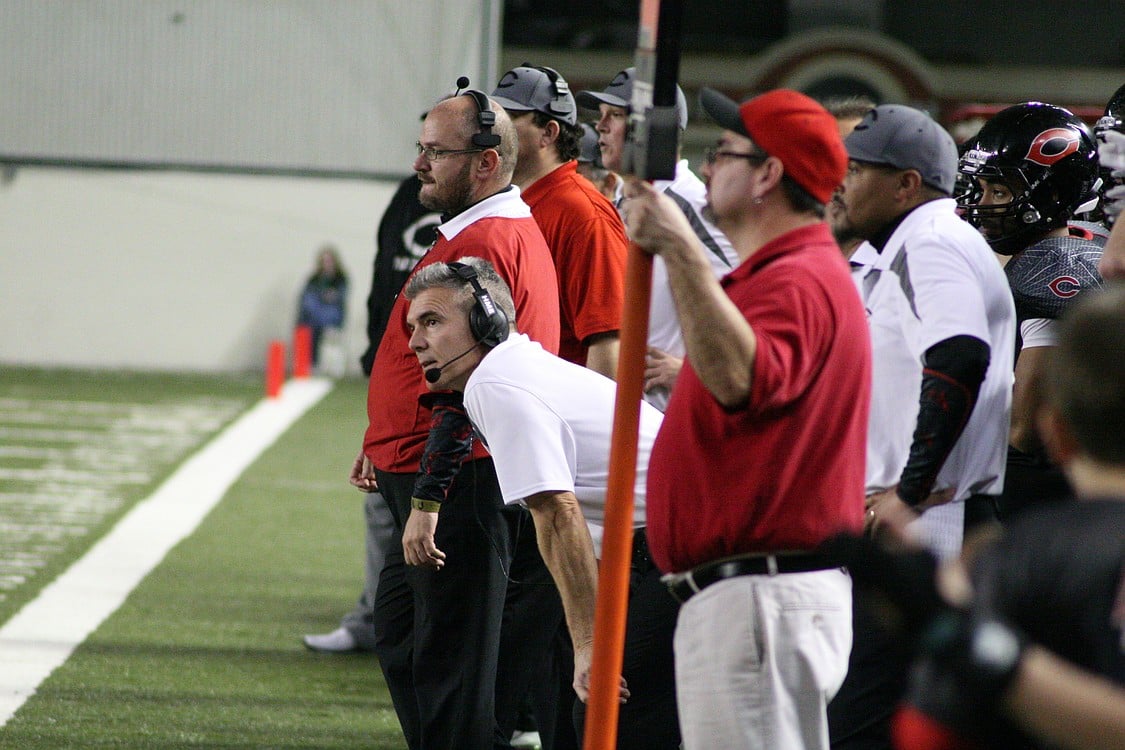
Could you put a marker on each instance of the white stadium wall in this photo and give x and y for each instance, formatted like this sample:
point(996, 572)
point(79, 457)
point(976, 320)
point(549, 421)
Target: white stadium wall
point(172, 271)
point(169, 169)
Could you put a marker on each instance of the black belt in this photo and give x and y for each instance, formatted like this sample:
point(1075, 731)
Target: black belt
point(683, 586)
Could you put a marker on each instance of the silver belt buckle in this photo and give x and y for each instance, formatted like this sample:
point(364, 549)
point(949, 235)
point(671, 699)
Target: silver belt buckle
point(771, 565)
point(673, 580)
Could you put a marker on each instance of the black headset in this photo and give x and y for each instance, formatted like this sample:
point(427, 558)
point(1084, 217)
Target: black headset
point(487, 322)
point(559, 87)
point(486, 118)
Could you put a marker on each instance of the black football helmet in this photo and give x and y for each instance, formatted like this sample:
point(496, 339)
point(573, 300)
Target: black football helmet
point(1047, 158)
point(1113, 119)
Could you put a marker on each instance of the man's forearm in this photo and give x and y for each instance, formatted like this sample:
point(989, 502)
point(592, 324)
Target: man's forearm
point(720, 342)
point(1026, 397)
point(568, 551)
point(952, 375)
point(449, 443)
point(1062, 703)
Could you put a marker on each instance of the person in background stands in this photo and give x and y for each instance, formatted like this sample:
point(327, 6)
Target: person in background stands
point(1110, 132)
point(324, 298)
point(406, 231)
point(848, 112)
point(590, 163)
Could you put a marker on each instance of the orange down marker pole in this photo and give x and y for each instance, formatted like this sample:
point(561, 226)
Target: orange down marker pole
point(302, 351)
point(617, 542)
point(275, 368)
point(650, 154)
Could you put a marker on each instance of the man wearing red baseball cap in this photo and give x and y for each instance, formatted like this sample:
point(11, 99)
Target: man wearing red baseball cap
point(761, 454)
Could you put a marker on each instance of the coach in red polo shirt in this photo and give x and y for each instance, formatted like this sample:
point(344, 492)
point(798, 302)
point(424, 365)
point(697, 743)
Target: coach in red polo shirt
point(441, 595)
point(761, 454)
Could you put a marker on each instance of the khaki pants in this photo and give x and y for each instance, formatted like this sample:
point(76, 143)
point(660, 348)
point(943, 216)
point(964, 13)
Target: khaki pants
point(759, 657)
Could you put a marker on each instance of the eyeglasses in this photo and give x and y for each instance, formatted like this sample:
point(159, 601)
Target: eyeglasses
point(433, 154)
point(714, 153)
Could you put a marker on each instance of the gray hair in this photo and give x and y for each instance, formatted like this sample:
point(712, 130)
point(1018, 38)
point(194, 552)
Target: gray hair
point(441, 276)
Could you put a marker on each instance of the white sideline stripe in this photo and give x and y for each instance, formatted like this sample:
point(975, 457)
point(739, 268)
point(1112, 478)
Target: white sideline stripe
point(42, 635)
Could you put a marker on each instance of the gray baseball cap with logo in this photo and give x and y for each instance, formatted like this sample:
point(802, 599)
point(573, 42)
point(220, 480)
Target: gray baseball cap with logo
point(536, 89)
point(906, 138)
point(619, 93)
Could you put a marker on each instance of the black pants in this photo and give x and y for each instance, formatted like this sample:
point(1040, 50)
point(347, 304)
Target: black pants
point(438, 633)
point(859, 716)
point(1030, 481)
point(533, 617)
point(648, 720)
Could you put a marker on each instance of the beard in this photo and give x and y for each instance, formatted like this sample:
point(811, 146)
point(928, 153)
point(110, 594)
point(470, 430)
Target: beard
point(844, 232)
point(451, 194)
point(842, 228)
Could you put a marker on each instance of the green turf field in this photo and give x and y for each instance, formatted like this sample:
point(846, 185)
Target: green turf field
point(206, 651)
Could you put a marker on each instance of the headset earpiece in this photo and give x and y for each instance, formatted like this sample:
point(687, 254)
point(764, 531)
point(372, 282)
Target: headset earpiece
point(486, 118)
point(487, 322)
point(560, 89)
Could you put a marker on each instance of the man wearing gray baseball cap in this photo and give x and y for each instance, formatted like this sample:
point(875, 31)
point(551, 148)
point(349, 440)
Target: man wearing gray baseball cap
point(582, 229)
point(588, 245)
point(665, 339)
point(942, 327)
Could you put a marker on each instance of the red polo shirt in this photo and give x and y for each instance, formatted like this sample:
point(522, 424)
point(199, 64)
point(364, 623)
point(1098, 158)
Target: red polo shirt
point(587, 240)
point(499, 229)
point(784, 471)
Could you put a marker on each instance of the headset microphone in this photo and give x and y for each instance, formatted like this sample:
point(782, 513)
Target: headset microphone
point(433, 374)
point(487, 323)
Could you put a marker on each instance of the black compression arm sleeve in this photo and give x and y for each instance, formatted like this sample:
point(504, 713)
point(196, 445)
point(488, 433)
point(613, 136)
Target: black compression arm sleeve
point(449, 443)
point(952, 373)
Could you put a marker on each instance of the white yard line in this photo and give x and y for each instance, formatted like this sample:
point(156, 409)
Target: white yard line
point(42, 635)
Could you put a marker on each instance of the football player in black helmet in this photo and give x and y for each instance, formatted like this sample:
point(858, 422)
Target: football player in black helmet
point(1113, 186)
point(1029, 170)
point(1110, 132)
point(1113, 174)
point(1032, 167)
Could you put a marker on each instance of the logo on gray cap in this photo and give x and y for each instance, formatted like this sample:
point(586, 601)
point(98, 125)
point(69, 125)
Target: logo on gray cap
point(533, 89)
point(906, 138)
point(619, 93)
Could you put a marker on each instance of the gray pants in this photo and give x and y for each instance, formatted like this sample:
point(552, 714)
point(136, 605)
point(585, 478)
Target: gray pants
point(380, 528)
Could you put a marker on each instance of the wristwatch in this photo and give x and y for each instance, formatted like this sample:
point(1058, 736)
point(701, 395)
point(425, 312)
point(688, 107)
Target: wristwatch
point(430, 506)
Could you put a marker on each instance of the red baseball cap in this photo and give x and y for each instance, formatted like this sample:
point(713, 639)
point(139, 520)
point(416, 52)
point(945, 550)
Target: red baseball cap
point(791, 126)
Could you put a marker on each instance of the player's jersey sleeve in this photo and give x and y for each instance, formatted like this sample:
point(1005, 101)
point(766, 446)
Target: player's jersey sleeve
point(1047, 277)
point(948, 299)
point(532, 448)
point(1038, 332)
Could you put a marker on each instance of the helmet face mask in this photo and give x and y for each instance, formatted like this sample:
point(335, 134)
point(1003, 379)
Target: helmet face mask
point(1008, 226)
point(1113, 119)
point(1114, 114)
point(1046, 159)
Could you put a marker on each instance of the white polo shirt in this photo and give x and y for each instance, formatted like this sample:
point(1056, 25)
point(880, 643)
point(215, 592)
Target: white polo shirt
point(547, 423)
point(937, 278)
